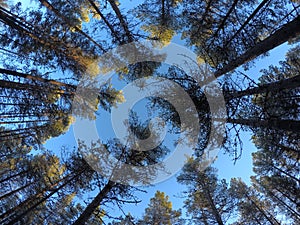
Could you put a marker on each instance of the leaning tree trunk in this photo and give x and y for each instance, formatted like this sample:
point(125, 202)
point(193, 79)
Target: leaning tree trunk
point(282, 35)
point(274, 124)
point(289, 83)
point(121, 19)
point(37, 78)
point(57, 13)
point(86, 214)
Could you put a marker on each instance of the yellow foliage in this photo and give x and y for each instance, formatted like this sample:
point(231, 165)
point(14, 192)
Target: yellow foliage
point(175, 2)
point(69, 198)
point(120, 97)
point(92, 66)
point(52, 96)
point(162, 33)
point(84, 14)
point(96, 16)
point(55, 169)
point(12, 164)
point(123, 70)
point(200, 60)
point(72, 29)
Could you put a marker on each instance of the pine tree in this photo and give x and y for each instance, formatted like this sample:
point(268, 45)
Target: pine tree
point(252, 207)
point(159, 211)
point(208, 199)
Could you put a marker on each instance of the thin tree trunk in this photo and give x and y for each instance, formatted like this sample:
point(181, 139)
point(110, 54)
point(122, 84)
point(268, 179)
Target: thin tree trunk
point(121, 19)
point(31, 87)
point(18, 130)
point(259, 7)
point(163, 11)
point(262, 211)
point(204, 15)
point(288, 150)
point(13, 176)
point(211, 202)
point(36, 78)
point(221, 26)
point(214, 209)
point(24, 121)
point(277, 198)
point(54, 10)
point(286, 173)
point(15, 191)
point(12, 20)
point(112, 30)
point(43, 199)
point(286, 196)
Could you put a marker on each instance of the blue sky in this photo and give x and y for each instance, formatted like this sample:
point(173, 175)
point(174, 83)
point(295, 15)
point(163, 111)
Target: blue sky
point(226, 167)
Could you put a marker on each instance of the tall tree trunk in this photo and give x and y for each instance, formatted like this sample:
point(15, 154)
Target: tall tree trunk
point(34, 88)
point(272, 220)
point(69, 50)
point(269, 191)
point(289, 83)
point(287, 197)
point(37, 78)
point(221, 26)
point(13, 176)
point(284, 172)
point(121, 19)
point(163, 11)
point(282, 35)
point(275, 124)
point(258, 8)
point(212, 204)
point(111, 28)
point(289, 151)
point(41, 199)
point(50, 7)
point(15, 191)
point(214, 209)
point(24, 121)
point(86, 214)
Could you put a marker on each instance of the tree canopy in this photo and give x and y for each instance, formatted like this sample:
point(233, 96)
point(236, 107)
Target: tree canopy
point(51, 49)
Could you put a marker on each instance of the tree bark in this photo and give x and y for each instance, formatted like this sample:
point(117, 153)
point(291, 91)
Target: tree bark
point(275, 124)
point(86, 214)
point(56, 12)
point(259, 7)
point(111, 28)
point(36, 78)
point(282, 35)
point(41, 199)
point(289, 83)
point(121, 19)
